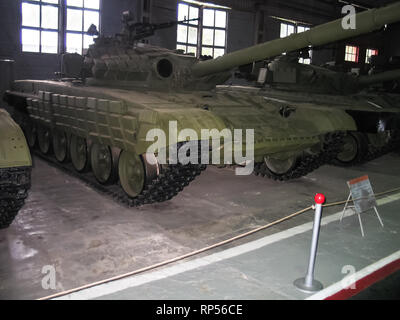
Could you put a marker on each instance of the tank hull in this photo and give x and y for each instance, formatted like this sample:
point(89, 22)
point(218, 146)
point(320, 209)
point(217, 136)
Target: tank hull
point(123, 118)
point(113, 126)
point(376, 117)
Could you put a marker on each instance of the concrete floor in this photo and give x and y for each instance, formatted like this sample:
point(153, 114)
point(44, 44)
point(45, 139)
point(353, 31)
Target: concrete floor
point(88, 237)
point(265, 269)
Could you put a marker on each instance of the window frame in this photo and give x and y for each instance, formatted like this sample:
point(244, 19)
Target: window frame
point(200, 28)
point(62, 25)
point(348, 54)
point(83, 32)
point(287, 24)
point(214, 29)
point(296, 27)
point(189, 25)
point(40, 29)
point(372, 50)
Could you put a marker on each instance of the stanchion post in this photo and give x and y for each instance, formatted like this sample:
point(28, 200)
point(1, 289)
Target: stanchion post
point(308, 284)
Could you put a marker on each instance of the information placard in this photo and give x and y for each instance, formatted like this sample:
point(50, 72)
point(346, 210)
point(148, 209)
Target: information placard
point(362, 194)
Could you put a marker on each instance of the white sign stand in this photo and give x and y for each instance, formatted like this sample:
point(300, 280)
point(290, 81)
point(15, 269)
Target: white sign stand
point(363, 197)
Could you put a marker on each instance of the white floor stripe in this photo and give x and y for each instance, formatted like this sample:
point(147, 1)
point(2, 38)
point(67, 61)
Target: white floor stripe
point(339, 286)
point(137, 280)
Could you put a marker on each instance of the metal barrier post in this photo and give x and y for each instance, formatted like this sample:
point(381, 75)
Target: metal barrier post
point(308, 284)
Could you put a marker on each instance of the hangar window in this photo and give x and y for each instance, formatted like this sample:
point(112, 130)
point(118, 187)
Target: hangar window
point(214, 33)
point(288, 28)
point(43, 31)
point(187, 37)
point(302, 60)
point(369, 54)
point(39, 31)
point(81, 14)
point(352, 54)
point(205, 36)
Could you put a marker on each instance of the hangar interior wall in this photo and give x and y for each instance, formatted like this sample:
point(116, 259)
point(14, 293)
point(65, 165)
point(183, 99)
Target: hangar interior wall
point(241, 29)
point(41, 65)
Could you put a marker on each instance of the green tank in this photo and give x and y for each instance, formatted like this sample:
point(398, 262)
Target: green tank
point(96, 118)
point(288, 82)
point(376, 114)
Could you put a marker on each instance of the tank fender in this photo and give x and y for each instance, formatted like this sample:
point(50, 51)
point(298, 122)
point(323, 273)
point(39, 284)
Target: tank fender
point(193, 119)
point(14, 151)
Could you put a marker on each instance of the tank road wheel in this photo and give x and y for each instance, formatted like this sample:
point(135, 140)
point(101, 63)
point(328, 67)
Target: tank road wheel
point(280, 167)
point(355, 148)
point(79, 154)
point(31, 134)
point(103, 164)
point(44, 139)
point(132, 174)
point(60, 145)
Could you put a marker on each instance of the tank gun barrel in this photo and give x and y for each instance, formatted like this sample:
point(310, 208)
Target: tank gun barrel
point(380, 77)
point(366, 22)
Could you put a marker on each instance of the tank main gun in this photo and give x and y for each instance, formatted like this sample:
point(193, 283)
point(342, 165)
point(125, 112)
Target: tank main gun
point(366, 22)
point(380, 77)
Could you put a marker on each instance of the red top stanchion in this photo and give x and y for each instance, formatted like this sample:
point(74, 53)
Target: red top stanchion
point(319, 198)
point(308, 284)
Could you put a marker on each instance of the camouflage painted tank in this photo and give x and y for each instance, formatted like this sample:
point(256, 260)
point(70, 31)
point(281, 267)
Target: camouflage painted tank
point(15, 169)
point(100, 117)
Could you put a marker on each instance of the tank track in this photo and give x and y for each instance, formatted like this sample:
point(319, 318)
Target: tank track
point(307, 163)
point(172, 180)
point(375, 153)
point(14, 186)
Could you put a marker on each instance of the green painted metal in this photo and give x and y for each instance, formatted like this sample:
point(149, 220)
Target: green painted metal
point(106, 119)
point(14, 151)
point(379, 77)
point(366, 22)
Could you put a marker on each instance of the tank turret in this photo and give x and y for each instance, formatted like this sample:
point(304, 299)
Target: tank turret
point(123, 61)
